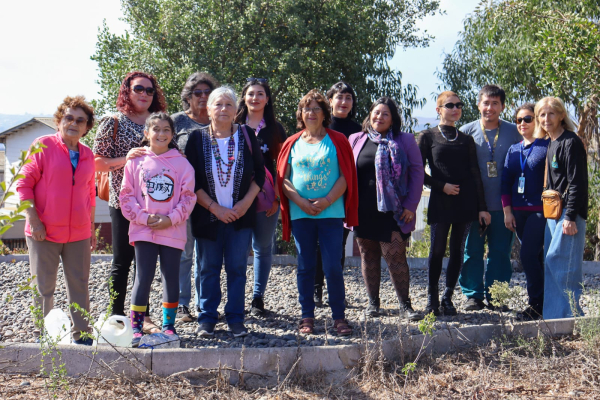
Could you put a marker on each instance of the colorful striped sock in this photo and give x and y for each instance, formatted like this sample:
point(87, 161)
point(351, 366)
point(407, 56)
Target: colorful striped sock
point(137, 315)
point(169, 313)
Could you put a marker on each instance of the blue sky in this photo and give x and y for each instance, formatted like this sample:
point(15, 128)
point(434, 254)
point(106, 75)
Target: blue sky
point(46, 49)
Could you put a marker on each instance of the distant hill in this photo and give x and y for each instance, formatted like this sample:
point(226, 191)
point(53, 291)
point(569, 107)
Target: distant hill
point(7, 121)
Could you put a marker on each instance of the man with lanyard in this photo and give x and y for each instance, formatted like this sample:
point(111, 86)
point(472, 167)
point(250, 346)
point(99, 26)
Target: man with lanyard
point(493, 137)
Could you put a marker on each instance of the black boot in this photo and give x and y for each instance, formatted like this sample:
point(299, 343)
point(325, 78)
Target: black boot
point(373, 308)
point(407, 311)
point(433, 301)
point(318, 296)
point(447, 305)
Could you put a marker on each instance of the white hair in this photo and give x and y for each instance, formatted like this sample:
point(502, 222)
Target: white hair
point(223, 91)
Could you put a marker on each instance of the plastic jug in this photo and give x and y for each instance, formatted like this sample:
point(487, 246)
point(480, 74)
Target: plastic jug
point(58, 326)
point(116, 330)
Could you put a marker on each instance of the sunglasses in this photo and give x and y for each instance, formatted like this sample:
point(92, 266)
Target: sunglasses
point(458, 105)
point(139, 89)
point(200, 92)
point(527, 119)
point(79, 121)
point(259, 80)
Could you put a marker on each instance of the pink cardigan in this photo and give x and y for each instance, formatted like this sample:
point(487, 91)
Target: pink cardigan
point(162, 184)
point(63, 198)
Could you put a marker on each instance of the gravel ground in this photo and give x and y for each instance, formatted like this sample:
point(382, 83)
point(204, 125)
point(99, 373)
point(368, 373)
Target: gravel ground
point(277, 329)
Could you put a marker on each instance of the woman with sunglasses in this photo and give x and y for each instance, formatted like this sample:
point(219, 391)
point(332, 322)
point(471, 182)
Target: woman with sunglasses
point(457, 198)
point(139, 96)
point(316, 179)
point(256, 110)
point(194, 96)
point(522, 186)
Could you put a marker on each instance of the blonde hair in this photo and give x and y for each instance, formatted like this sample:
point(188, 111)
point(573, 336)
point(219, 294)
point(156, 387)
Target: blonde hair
point(443, 96)
point(558, 106)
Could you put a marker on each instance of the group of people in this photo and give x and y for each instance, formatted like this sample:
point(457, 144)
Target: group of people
point(203, 186)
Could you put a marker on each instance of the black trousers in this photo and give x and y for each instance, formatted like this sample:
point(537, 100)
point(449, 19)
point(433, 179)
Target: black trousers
point(319, 275)
point(123, 256)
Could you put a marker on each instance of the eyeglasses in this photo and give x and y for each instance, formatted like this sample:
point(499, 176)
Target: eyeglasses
point(260, 80)
point(199, 92)
point(69, 119)
point(527, 119)
point(316, 110)
point(458, 105)
point(139, 89)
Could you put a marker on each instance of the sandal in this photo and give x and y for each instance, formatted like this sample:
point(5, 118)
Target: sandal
point(307, 326)
point(149, 328)
point(342, 328)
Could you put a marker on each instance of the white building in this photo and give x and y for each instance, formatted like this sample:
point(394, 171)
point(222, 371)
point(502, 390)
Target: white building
point(17, 139)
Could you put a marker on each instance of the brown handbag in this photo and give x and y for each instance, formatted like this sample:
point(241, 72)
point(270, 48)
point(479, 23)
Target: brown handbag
point(102, 182)
point(552, 200)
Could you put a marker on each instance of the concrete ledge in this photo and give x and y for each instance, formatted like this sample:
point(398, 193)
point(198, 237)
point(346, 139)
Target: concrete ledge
point(264, 364)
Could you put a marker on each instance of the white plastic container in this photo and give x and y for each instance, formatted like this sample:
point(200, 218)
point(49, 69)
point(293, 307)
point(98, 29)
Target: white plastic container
point(116, 330)
point(58, 326)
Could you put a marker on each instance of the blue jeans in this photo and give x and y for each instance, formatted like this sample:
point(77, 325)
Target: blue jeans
point(500, 242)
point(328, 233)
point(530, 231)
point(262, 244)
point(230, 246)
point(185, 269)
point(563, 268)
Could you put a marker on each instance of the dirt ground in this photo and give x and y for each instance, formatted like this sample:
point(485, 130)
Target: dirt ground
point(509, 368)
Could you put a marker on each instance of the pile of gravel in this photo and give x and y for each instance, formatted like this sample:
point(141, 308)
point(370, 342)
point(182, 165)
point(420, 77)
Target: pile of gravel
point(277, 329)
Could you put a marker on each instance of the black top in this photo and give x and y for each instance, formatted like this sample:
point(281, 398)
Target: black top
point(372, 223)
point(203, 225)
point(453, 162)
point(344, 125)
point(273, 145)
point(567, 166)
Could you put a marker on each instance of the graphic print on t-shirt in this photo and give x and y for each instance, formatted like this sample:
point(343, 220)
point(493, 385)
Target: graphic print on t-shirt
point(159, 187)
point(314, 169)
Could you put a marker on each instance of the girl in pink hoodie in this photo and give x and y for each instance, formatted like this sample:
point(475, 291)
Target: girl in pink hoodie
point(157, 196)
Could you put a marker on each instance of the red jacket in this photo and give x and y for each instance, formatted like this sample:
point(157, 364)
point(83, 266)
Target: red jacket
point(347, 168)
point(63, 198)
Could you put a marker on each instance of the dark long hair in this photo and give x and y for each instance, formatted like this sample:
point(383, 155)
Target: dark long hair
point(396, 118)
point(124, 101)
point(161, 116)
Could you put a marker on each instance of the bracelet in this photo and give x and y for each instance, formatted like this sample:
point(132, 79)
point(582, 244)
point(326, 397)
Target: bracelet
point(211, 203)
point(329, 199)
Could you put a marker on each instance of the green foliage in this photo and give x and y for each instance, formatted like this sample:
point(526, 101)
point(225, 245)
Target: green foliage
point(426, 325)
point(503, 294)
point(297, 45)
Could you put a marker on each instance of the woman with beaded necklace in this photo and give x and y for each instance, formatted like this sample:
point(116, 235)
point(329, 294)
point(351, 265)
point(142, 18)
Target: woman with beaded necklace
point(229, 174)
point(456, 200)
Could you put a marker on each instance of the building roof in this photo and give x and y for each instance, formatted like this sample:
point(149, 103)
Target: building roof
point(49, 122)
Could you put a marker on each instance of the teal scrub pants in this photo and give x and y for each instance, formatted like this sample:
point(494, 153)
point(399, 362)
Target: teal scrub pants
point(474, 279)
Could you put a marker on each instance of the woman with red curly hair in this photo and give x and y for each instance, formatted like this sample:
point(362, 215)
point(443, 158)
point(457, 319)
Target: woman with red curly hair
point(119, 139)
point(59, 183)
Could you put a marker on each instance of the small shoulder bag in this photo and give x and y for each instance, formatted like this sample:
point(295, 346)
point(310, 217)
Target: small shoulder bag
point(552, 200)
point(102, 182)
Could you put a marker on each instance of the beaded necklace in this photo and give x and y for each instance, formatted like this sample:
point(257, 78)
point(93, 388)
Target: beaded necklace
point(224, 176)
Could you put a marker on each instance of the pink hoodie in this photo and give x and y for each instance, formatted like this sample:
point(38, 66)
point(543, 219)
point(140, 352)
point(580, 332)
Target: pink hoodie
point(161, 184)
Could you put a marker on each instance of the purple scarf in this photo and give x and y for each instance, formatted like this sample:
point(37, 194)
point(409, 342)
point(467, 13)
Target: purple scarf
point(391, 165)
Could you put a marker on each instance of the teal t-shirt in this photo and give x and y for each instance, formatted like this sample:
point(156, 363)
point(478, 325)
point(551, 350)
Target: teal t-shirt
point(314, 171)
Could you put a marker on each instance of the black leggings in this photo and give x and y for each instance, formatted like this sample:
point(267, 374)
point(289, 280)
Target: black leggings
point(123, 254)
point(319, 275)
point(439, 238)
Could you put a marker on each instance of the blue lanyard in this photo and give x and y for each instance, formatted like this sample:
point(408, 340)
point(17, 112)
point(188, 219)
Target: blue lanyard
point(524, 161)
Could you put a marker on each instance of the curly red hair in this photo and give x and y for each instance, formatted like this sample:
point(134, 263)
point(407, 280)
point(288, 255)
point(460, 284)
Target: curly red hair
point(124, 104)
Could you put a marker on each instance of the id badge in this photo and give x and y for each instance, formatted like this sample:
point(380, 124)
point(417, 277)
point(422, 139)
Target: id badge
point(492, 169)
point(521, 187)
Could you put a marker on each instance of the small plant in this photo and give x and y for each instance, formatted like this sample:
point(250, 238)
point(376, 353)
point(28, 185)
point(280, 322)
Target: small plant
point(101, 246)
point(505, 295)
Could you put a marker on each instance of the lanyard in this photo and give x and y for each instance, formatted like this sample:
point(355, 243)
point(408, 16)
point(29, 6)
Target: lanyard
point(524, 161)
point(261, 125)
point(490, 147)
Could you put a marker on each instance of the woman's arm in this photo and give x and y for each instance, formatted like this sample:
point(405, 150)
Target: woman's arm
point(338, 190)
point(506, 194)
point(291, 193)
point(424, 145)
point(223, 214)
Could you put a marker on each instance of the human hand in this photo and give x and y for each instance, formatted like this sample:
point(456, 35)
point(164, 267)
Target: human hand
point(484, 215)
point(162, 222)
point(152, 218)
point(569, 227)
point(93, 239)
point(240, 208)
point(38, 230)
point(273, 209)
point(407, 216)
point(224, 214)
point(321, 203)
point(308, 207)
point(451, 190)
point(135, 152)
point(509, 221)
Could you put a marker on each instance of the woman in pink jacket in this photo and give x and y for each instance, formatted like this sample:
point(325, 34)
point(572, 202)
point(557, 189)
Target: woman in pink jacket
point(59, 183)
point(157, 197)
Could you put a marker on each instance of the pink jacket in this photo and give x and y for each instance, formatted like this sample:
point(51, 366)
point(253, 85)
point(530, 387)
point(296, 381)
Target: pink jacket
point(63, 198)
point(161, 184)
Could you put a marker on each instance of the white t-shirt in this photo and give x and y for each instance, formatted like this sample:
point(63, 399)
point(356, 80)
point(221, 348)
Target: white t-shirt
point(224, 193)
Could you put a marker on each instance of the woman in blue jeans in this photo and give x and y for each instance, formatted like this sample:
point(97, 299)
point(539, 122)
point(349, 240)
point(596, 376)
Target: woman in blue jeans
point(228, 177)
point(317, 176)
point(564, 239)
point(256, 110)
point(522, 185)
